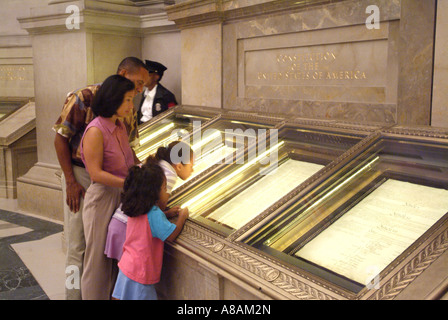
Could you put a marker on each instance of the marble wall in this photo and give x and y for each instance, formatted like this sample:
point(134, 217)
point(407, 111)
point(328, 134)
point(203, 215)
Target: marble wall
point(320, 59)
point(201, 66)
point(16, 54)
point(165, 47)
point(313, 59)
point(440, 92)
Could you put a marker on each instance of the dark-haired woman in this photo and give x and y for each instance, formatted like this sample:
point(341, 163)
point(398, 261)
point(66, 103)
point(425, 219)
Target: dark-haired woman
point(107, 156)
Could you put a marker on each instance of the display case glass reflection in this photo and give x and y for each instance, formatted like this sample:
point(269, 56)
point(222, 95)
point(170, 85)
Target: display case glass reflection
point(160, 132)
point(240, 191)
point(218, 145)
point(356, 223)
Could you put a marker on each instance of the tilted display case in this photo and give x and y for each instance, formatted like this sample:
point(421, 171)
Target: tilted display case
point(10, 105)
point(226, 200)
point(170, 126)
point(229, 195)
point(342, 211)
point(220, 143)
point(374, 225)
point(18, 146)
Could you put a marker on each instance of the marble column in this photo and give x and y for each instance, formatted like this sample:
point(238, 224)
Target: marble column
point(75, 43)
point(201, 51)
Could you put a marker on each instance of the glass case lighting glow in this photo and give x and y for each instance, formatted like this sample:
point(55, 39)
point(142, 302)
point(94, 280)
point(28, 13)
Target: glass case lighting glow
point(157, 133)
point(232, 175)
point(271, 242)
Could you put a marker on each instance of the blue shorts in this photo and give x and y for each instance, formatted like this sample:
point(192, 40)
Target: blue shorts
point(128, 289)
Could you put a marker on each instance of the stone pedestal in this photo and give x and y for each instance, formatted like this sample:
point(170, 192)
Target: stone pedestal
point(17, 148)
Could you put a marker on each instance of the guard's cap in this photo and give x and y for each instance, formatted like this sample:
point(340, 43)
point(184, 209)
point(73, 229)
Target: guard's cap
point(155, 67)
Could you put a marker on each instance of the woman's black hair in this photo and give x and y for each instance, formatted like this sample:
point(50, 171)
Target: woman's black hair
point(141, 189)
point(110, 95)
point(176, 152)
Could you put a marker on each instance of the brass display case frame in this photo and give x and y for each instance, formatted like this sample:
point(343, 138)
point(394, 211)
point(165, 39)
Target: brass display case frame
point(273, 121)
point(209, 115)
point(267, 277)
point(409, 265)
point(309, 129)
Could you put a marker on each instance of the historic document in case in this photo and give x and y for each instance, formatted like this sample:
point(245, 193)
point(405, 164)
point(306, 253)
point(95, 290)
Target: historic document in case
point(377, 230)
point(265, 192)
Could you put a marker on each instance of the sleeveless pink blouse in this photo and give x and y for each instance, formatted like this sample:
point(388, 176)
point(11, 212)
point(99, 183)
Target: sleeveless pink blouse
point(117, 153)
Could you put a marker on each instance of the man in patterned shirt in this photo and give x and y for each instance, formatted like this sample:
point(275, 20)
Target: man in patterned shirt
point(75, 116)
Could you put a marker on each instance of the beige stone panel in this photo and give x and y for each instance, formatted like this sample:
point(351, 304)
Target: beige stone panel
point(166, 49)
point(202, 66)
point(107, 53)
point(440, 92)
point(353, 71)
point(3, 181)
point(39, 192)
point(59, 67)
point(16, 81)
point(415, 56)
point(10, 10)
point(431, 284)
point(187, 276)
point(16, 69)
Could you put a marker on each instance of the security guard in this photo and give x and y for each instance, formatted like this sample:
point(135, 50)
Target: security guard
point(155, 98)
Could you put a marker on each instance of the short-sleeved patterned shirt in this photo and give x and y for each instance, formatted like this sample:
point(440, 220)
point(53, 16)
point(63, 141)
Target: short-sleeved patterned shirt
point(76, 115)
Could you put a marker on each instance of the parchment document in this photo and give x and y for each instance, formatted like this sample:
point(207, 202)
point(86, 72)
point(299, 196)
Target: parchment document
point(265, 192)
point(377, 230)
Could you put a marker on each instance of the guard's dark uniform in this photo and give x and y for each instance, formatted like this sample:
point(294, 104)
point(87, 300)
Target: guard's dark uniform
point(163, 99)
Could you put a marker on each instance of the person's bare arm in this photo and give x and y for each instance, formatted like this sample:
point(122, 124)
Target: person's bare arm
point(74, 190)
point(183, 216)
point(92, 144)
point(136, 160)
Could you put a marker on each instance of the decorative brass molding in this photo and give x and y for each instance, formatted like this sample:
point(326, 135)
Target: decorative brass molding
point(266, 271)
point(411, 270)
point(306, 184)
point(299, 285)
point(423, 131)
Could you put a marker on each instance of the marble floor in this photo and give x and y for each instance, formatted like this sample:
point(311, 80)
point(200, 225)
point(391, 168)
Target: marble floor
point(31, 256)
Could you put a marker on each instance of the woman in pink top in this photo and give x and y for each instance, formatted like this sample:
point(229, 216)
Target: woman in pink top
point(107, 156)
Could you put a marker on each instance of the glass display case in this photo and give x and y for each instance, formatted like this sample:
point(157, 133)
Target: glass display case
point(169, 126)
point(352, 227)
point(224, 141)
point(271, 166)
point(219, 144)
point(9, 105)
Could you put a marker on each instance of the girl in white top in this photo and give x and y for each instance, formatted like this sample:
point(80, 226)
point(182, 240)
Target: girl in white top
point(176, 160)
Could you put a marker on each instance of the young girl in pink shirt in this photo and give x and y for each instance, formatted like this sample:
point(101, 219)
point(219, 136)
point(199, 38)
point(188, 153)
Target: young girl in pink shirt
point(171, 159)
point(147, 229)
